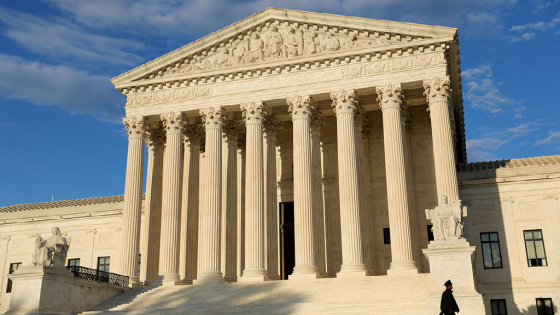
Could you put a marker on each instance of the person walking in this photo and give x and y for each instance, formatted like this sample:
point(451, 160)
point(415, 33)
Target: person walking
point(448, 304)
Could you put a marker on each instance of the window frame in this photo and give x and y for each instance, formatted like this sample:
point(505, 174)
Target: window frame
point(104, 264)
point(491, 253)
point(533, 240)
point(9, 283)
point(73, 260)
point(543, 300)
point(498, 301)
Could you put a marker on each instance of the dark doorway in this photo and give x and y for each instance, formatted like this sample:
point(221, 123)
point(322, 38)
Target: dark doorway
point(287, 240)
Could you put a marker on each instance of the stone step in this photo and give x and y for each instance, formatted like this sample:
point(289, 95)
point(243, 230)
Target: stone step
point(369, 295)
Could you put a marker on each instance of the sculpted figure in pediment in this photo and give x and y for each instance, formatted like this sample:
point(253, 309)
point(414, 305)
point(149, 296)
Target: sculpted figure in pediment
point(293, 41)
point(273, 43)
point(256, 48)
point(312, 43)
point(238, 53)
point(332, 43)
point(352, 42)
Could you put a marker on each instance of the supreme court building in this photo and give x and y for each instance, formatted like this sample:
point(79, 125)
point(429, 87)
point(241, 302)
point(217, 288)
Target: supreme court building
point(308, 147)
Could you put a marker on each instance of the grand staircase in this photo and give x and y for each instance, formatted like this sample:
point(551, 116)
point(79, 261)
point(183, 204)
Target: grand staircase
point(369, 295)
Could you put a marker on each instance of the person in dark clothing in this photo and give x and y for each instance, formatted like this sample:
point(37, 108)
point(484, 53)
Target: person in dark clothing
point(448, 304)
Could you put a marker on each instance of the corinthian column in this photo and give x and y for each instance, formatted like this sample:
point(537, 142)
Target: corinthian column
point(132, 211)
point(210, 217)
point(189, 205)
point(366, 215)
point(174, 124)
point(368, 201)
point(344, 105)
point(254, 114)
point(300, 108)
point(389, 98)
point(231, 132)
point(271, 127)
point(317, 121)
point(437, 94)
point(240, 205)
point(151, 229)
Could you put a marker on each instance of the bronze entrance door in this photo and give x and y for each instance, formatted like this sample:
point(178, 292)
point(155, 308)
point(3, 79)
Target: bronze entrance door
point(287, 240)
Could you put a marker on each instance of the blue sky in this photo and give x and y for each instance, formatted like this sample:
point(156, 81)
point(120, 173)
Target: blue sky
point(61, 118)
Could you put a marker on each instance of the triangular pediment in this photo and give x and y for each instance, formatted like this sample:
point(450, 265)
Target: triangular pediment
point(273, 37)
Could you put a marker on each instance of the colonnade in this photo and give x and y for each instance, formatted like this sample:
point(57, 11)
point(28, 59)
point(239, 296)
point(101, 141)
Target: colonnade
point(186, 239)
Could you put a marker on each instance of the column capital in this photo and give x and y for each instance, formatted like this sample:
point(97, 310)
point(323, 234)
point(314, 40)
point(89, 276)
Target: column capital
point(231, 130)
point(214, 117)
point(360, 120)
point(300, 106)
point(254, 112)
point(193, 134)
point(155, 138)
point(344, 101)
point(437, 89)
point(390, 96)
point(317, 121)
point(272, 125)
point(136, 126)
point(175, 122)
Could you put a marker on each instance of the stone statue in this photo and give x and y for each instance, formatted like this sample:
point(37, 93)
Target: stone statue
point(52, 251)
point(273, 43)
point(332, 42)
point(312, 44)
point(447, 219)
point(293, 41)
point(256, 48)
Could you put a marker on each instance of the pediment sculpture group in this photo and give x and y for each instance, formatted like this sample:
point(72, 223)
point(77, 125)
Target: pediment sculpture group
point(273, 44)
point(51, 252)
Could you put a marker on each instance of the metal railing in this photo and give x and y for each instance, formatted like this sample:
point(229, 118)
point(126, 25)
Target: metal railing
point(98, 275)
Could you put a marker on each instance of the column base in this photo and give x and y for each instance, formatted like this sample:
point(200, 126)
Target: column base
point(134, 282)
point(402, 268)
point(355, 267)
point(230, 279)
point(171, 280)
point(274, 277)
point(307, 276)
point(209, 280)
point(352, 274)
point(305, 270)
point(253, 279)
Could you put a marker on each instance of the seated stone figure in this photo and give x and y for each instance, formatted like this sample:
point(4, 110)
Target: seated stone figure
point(447, 219)
point(52, 251)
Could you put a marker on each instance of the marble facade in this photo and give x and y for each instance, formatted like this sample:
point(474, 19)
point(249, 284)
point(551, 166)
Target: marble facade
point(358, 122)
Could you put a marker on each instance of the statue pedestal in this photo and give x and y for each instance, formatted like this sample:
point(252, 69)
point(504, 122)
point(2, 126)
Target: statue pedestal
point(50, 290)
point(453, 260)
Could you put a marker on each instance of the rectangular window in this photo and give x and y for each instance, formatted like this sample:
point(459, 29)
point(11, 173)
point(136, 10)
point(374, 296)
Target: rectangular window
point(73, 262)
point(498, 307)
point(13, 268)
point(544, 307)
point(534, 244)
point(491, 253)
point(386, 236)
point(103, 263)
point(430, 233)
